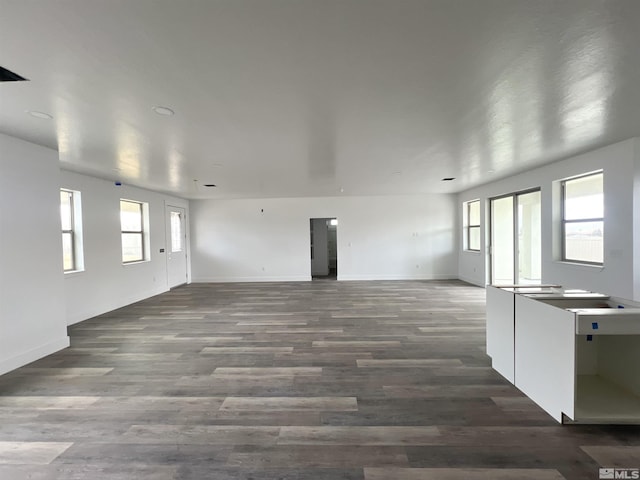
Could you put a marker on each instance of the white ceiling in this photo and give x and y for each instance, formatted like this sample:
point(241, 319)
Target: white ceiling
point(281, 98)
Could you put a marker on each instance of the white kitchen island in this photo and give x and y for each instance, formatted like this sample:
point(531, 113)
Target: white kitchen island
point(575, 353)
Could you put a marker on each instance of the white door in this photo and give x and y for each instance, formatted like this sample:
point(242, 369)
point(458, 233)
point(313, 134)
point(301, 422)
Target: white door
point(176, 246)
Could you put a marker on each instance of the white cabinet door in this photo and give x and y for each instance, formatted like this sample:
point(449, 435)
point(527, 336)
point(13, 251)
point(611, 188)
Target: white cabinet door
point(500, 331)
point(545, 355)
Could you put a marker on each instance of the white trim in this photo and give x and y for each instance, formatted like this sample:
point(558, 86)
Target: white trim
point(73, 272)
point(32, 355)
point(96, 310)
point(304, 278)
point(285, 278)
point(596, 266)
point(135, 262)
point(398, 277)
point(472, 281)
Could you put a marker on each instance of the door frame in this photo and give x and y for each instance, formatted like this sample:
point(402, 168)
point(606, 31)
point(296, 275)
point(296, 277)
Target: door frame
point(167, 242)
point(516, 249)
point(314, 248)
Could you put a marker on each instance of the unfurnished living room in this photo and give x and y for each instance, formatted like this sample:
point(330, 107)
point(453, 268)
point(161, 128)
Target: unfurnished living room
point(320, 239)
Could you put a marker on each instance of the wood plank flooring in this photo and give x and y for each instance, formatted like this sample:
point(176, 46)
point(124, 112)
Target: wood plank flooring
point(321, 380)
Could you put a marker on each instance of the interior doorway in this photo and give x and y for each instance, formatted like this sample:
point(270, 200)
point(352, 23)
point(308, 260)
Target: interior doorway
point(324, 248)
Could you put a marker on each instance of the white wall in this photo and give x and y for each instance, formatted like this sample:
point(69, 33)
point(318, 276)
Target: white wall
point(32, 311)
point(621, 166)
point(107, 284)
point(391, 237)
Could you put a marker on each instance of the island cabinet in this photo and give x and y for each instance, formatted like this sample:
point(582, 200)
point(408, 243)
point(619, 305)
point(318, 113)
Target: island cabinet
point(576, 354)
point(501, 323)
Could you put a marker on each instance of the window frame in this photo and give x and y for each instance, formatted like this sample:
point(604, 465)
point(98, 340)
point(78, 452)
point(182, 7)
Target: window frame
point(564, 221)
point(71, 232)
point(468, 226)
point(142, 232)
point(516, 218)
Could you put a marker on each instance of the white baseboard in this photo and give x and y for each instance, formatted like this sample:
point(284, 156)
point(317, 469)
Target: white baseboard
point(303, 278)
point(472, 281)
point(32, 355)
point(111, 305)
point(396, 277)
point(283, 278)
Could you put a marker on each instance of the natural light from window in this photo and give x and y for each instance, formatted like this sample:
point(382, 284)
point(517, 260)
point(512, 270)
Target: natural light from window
point(132, 224)
point(583, 219)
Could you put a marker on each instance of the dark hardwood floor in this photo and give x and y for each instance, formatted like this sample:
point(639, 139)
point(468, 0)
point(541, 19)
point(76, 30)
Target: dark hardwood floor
point(320, 380)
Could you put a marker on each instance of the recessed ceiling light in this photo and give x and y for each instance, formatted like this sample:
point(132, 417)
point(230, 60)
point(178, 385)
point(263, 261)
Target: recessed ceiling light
point(448, 179)
point(209, 185)
point(166, 111)
point(44, 116)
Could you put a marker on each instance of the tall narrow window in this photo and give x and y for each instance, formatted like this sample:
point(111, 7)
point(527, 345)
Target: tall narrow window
point(583, 219)
point(132, 224)
point(472, 230)
point(68, 233)
point(176, 232)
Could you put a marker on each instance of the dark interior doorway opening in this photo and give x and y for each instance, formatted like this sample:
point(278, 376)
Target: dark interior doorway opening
point(324, 248)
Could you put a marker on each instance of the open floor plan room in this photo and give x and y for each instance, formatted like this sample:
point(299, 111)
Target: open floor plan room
point(309, 380)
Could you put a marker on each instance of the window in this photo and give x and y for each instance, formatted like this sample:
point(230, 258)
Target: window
point(176, 232)
point(472, 227)
point(583, 219)
point(132, 221)
point(515, 227)
point(71, 220)
point(68, 235)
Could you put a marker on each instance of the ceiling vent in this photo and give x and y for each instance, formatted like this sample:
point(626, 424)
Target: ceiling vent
point(9, 76)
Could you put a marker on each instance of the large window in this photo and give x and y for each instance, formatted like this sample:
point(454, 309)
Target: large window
point(71, 220)
point(472, 225)
point(132, 222)
point(583, 219)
